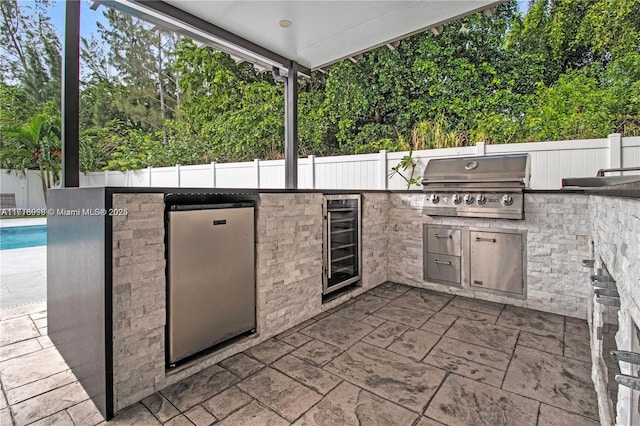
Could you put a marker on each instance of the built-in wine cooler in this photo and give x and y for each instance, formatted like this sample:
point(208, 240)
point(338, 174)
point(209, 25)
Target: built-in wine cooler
point(341, 242)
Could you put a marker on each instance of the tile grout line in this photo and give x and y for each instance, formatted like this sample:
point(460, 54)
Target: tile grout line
point(8, 407)
point(513, 354)
point(444, 379)
point(167, 399)
point(538, 415)
point(564, 343)
point(266, 407)
point(373, 393)
point(321, 399)
point(233, 411)
point(81, 402)
point(48, 389)
point(299, 382)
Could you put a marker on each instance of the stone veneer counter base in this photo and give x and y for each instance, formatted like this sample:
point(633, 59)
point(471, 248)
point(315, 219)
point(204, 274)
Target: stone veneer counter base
point(107, 284)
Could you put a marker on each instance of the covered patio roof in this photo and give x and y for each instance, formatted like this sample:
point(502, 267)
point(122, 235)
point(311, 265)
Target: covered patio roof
point(291, 37)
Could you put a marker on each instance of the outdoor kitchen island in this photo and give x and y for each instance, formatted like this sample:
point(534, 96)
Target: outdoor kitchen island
point(106, 273)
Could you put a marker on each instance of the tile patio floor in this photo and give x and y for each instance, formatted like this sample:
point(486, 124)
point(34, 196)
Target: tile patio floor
point(394, 355)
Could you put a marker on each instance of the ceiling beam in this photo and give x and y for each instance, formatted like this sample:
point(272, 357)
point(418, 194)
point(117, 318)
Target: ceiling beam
point(490, 12)
point(437, 30)
point(393, 45)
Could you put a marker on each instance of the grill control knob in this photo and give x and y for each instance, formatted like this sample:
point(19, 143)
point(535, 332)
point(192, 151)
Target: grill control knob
point(456, 199)
point(507, 200)
point(468, 199)
point(434, 198)
point(481, 199)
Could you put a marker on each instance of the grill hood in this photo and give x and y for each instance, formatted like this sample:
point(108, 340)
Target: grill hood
point(484, 171)
point(485, 186)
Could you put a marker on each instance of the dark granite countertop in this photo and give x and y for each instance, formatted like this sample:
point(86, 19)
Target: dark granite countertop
point(625, 191)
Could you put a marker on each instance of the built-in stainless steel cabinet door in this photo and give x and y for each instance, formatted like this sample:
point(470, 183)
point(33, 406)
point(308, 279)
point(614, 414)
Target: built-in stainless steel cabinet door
point(497, 261)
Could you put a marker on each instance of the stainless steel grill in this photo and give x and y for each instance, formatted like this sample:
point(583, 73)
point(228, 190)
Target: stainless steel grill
point(488, 186)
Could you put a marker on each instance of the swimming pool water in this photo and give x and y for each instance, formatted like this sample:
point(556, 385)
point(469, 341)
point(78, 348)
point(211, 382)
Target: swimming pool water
point(13, 237)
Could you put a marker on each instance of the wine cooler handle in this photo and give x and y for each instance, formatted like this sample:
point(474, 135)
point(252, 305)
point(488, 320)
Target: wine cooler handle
point(329, 244)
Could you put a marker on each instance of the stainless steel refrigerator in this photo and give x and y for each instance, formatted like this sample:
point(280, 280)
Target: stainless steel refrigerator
point(211, 276)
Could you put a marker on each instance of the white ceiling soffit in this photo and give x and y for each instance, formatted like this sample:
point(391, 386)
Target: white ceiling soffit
point(322, 32)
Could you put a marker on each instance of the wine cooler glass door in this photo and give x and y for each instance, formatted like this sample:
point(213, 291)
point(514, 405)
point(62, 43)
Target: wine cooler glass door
point(343, 245)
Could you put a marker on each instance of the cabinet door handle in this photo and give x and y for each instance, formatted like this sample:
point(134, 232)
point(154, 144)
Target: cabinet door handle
point(441, 236)
point(440, 262)
point(489, 240)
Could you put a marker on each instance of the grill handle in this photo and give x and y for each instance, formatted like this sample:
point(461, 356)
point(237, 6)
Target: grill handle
point(489, 240)
point(442, 236)
point(440, 262)
point(520, 180)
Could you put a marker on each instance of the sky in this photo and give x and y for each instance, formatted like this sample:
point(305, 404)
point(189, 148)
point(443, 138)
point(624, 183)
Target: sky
point(88, 18)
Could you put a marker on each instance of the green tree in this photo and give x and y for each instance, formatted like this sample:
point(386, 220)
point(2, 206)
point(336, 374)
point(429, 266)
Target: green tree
point(454, 78)
point(565, 69)
point(316, 135)
point(137, 150)
point(549, 31)
point(16, 106)
point(34, 145)
point(572, 108)
point(611, 29)
point(621, 81)
point(364, 101)
point(143, 57)
point(30, 49)
point(229, 112)
point(588, 51)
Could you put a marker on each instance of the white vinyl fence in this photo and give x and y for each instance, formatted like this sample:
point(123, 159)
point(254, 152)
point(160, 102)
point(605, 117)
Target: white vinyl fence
point(550, 162)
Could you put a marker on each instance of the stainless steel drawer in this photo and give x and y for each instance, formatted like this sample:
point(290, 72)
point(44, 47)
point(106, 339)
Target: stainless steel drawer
point(440, 267)
point(443, 241)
